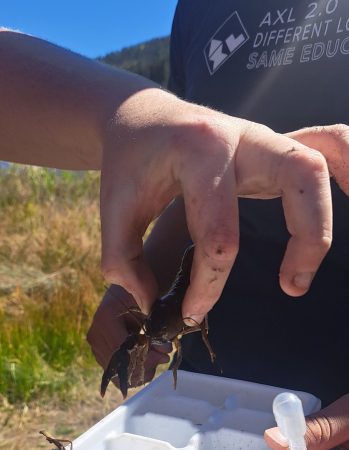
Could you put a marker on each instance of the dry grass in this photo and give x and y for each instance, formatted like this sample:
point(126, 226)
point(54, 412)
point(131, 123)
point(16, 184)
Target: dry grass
point(50, 285)
point(20, 424)
point(50, 224)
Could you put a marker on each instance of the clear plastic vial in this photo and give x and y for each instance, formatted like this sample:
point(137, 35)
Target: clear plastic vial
point(289, 416)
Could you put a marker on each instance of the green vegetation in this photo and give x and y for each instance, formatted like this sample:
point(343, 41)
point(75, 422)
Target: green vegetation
point(149, 59)
point(49, 222)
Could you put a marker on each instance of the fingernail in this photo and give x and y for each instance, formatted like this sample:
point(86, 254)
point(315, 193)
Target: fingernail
point(193, 319)
point(303, 280)
point(275, 435)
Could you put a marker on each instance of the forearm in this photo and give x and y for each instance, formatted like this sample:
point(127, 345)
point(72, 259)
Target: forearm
point(55, 104)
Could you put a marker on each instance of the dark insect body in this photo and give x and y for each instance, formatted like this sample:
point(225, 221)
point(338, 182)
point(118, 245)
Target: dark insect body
point(164, 324)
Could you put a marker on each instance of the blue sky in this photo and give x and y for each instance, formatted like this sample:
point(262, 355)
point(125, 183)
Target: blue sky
point(92, 28)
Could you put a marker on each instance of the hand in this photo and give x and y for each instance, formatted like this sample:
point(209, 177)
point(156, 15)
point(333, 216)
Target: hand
point(112, 324)
point(154, 148)
point(160, 147)
point(326, 429)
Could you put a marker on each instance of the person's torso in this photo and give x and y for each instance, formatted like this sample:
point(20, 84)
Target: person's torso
point(284, 64)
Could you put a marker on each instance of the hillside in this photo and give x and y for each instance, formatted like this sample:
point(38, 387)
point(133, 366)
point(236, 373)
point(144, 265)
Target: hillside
point(150, 59)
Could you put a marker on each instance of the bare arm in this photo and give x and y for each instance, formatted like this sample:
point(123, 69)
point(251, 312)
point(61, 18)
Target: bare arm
point(55, 104)
point(62, 110)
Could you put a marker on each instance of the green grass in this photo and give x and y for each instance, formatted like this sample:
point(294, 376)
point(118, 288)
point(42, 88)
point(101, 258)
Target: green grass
point(43, 349)
point(49, 221)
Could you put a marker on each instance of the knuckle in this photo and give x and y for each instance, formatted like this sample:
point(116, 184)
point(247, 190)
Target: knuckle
point(203, 137)
point(320, 241)
point(338, 130)
point(189, 135)
point(204, 127)
point(110, 273)
point(325, 242)
point(251, 129)
point(336, 136)
point(307, 162)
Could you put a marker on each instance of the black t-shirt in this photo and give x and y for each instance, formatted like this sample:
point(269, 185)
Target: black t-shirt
point(284, 64)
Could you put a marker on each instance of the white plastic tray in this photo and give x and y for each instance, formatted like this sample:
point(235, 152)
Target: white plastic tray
point(204, 412)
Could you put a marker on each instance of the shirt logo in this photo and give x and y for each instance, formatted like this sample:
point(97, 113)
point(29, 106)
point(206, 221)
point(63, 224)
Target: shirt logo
point(229, 37)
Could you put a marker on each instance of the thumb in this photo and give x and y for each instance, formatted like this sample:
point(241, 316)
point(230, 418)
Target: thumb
point(327, 429)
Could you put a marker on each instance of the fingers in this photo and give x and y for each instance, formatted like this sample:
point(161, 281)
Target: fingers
point(265, 165)
point(308, 212)
point(327, 429)
point(270, 165)
point(333, 142)
point(212, 217)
